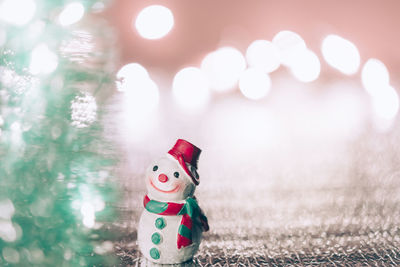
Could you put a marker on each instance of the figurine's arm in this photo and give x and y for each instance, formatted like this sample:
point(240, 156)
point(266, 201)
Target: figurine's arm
point(204, 221)
point(203, 218)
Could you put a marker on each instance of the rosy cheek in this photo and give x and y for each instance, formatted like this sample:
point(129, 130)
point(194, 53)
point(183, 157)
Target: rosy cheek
point(180, 183)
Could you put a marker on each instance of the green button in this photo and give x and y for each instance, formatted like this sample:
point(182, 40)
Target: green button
point(156, 238)
point(154, 253)
point(160, 223)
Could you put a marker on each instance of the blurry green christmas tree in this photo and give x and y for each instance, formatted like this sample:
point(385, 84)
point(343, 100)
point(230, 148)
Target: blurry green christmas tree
point(56, 184)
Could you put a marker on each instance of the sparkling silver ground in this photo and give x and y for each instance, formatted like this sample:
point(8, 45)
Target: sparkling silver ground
point(333, 210)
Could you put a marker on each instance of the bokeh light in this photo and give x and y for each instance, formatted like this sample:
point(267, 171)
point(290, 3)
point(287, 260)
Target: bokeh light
point(374, 76)
point(254, 83)
point(16, 133)
point(190, 89)
point(18, 12)
point(71, 14)
point(88, 213)
point(341, 54)
point(11, 255)
point(154, 22)
point(385, 104)
point(223, 68)
point(139, 100)
point(6, 209)
point(289, 44)
point(264, 55)
point(305, 66)
point(104, 247)
point(7, 230)
point(43, 61)
point(131, 71)
point(88, 204)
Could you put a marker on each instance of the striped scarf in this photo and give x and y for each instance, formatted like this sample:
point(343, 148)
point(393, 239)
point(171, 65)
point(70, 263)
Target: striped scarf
point(189, 210)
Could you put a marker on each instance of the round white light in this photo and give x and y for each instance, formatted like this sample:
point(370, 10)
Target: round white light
point(18, 12)
point(263, 54)
point(43, 60)
point(374, 76)
point(341, 54)
point(7, 231)
point(154, 22)
point(131, 71)
point(10, 255)
point(139, 101)
point(190, 88)
point(6, 209)
point(71, 14)
point(289, 44)
point(386, 103)
point(223, 68)
point(305, 66)
point(254, 83)
point(87, 209)
point(88, 213)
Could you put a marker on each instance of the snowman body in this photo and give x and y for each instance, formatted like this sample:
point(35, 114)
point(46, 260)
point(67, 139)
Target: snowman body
point(167, 182)
point(157, 237)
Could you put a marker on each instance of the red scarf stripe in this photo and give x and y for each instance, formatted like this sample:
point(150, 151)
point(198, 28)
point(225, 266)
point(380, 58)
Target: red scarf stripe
point(187, 221)
point(183, 241)
point(172, 209)
point(146, 200)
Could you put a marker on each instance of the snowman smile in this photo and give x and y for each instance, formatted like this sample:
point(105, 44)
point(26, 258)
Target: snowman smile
point(164, 191)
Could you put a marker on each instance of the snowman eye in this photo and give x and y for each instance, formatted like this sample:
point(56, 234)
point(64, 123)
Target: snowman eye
point(176, 174)
point(155, 168)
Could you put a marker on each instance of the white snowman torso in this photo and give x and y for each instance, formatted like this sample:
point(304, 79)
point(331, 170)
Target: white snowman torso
point(168, 182)
point(157, 238)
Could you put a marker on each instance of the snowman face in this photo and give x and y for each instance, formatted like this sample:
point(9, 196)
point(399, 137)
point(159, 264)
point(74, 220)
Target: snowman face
point(167, 181)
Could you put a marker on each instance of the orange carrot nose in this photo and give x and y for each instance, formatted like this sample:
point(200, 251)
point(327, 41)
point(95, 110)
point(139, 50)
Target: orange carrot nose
point(163, 178)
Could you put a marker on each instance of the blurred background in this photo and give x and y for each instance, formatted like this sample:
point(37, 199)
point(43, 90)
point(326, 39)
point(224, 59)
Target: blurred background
point(298, 70)
point(294, 105)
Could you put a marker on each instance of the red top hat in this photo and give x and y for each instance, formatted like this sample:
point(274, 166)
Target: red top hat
point(187, 155)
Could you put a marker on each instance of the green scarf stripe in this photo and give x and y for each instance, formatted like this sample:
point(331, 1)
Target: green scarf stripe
point(191, 207)
point(183, 210)
point(156, 206)
point(184, 231)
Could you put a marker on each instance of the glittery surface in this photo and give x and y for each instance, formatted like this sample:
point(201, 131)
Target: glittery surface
point(332, 210)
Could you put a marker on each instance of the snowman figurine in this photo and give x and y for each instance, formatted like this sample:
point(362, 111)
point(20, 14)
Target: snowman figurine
point(171, 225)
